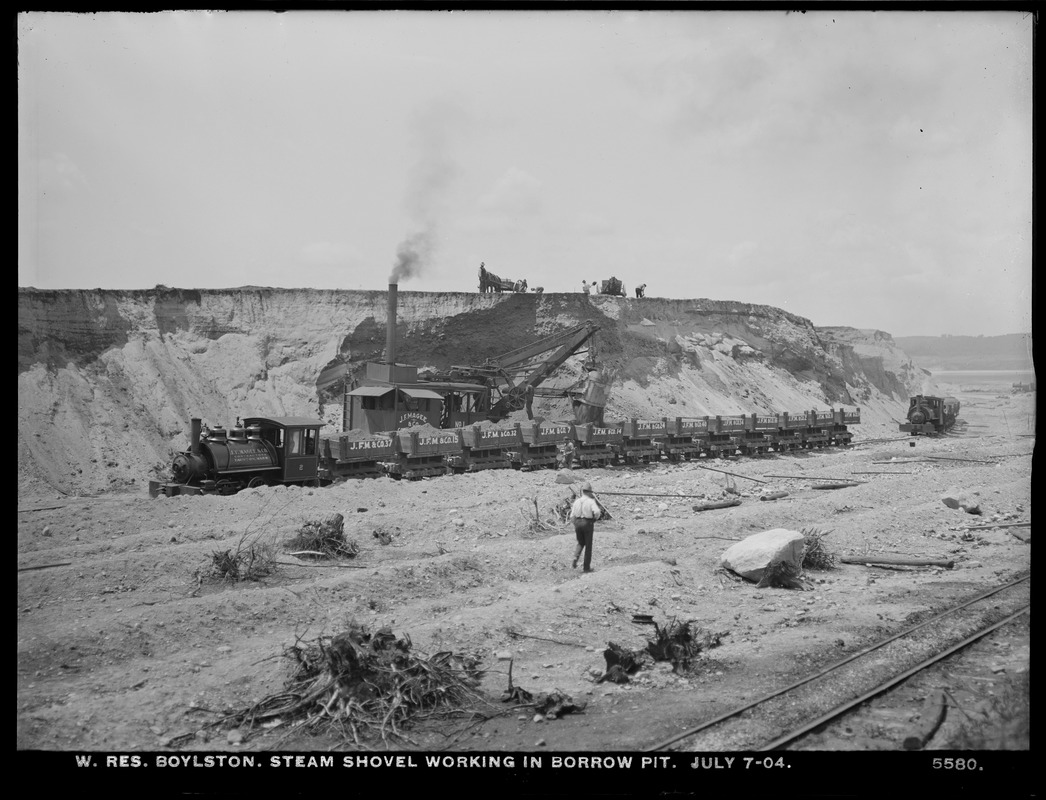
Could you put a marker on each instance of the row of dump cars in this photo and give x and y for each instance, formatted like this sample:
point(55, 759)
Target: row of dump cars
point(535, 445)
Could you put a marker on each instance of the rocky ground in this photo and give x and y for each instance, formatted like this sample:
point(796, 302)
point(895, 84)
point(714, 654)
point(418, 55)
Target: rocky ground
point(127, 640)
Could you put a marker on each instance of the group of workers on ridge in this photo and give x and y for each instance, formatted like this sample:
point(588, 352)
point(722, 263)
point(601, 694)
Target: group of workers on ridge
point(489, 282)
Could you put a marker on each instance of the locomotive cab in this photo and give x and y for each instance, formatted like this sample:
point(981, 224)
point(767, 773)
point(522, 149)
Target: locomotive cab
point(295, 441)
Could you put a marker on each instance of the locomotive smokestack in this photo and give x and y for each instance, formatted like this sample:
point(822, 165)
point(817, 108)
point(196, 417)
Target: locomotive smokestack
point(194, 435)
point(390, 327)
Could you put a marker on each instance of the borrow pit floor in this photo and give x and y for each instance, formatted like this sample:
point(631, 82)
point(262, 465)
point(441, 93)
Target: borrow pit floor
point(126, 643)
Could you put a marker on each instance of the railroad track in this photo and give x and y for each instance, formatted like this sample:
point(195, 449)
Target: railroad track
point(784, 715)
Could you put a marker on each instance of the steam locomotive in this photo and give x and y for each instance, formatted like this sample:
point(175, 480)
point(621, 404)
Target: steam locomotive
point(929, 415)
point(258, 451)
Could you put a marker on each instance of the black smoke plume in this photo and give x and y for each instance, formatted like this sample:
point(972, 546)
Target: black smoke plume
point(410, 255)
point(428, 183)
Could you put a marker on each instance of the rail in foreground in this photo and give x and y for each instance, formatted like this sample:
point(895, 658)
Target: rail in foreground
point(788, 713)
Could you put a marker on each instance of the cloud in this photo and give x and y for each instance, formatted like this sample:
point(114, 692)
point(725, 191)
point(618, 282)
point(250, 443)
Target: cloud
point(742, 251)
point(588, 223)
point(328, 253)
point(517, 193)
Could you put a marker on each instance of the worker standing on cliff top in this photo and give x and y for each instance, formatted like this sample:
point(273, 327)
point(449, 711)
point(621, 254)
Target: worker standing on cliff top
point(584, 287)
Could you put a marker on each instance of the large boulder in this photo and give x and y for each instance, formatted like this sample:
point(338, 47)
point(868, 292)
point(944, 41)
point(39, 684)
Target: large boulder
point(751, 556)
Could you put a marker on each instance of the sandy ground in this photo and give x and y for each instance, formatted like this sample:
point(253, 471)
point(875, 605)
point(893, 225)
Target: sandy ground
point(126, 640)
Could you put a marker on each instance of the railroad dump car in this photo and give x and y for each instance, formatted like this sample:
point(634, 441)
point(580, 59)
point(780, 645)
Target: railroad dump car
point(684, 438)
point(790, 427)
point(422, 454)
point(540, 445)
point(758, 435)
point(592, 445)
point(818, 431)
point(638, 441)
point(347, 456)
point(841, 420)
point(928, 414)
point(486, 448)
point(726, 436)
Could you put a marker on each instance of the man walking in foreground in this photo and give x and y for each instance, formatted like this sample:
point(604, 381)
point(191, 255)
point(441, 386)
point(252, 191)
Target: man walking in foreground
point(584, 513)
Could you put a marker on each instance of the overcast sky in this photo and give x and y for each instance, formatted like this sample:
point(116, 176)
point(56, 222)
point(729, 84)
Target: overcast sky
point(855, 168)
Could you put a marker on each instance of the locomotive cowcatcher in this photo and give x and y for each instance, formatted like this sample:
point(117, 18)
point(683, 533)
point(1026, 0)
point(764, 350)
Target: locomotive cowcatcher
point(258, 451)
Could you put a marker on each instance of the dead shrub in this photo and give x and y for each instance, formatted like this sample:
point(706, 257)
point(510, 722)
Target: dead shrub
point(247, 563)
point(815, 554)
point(323, 539)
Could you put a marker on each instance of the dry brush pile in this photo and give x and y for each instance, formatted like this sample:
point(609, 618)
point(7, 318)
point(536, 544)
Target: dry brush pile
point(368, 687)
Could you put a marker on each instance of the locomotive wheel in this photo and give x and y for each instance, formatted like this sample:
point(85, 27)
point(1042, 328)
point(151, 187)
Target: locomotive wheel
point(255, 482)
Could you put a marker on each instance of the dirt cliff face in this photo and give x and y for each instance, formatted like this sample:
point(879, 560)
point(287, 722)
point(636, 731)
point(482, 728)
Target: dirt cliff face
point(108, 380)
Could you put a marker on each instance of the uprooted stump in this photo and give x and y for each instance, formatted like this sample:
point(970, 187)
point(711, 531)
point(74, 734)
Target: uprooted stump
point(784, 575)
point(323, 538)
point(679, 643)
point(620, 663)
point(555, 704)
point(551, 705)
point(368, 686)
point(385, 535)
point(518, 696)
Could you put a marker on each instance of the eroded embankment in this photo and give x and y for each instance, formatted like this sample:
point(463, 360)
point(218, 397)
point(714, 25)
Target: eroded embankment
point(109, 379)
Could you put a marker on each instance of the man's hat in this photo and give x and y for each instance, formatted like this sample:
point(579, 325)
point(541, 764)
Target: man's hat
point(586, 487)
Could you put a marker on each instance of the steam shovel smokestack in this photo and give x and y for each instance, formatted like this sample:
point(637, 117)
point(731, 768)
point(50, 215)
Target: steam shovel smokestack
point(390, 327)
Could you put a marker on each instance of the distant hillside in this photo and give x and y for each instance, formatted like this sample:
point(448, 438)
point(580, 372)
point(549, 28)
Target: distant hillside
point(1012, 351)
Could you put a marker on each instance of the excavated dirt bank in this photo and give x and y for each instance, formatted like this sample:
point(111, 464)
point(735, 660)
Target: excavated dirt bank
point(108, 380)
